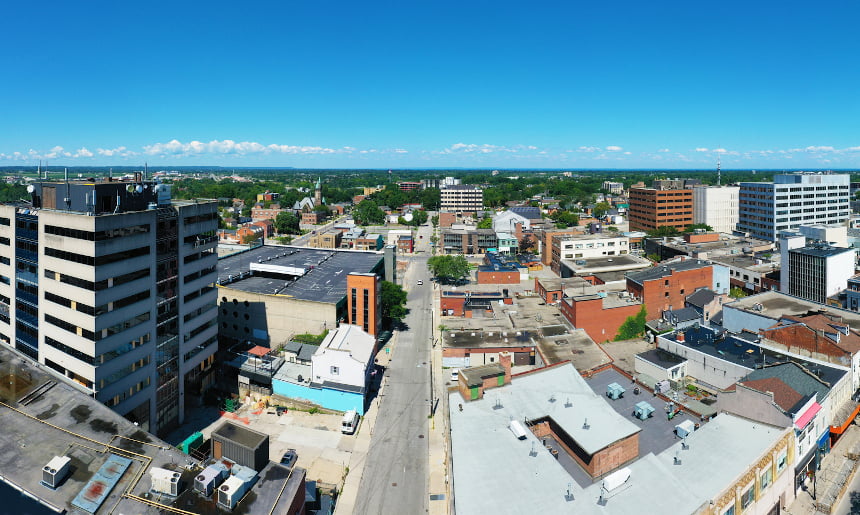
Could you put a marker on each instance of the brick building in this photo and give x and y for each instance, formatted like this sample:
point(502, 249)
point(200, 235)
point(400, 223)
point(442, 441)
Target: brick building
point(666, 286)
point(409, 185)
point(471, 382)
point(599, 316)
point(312, 217)
point(652, 208)
point(258, 212)
point(405, 244)
point(462, 303)
point(363, 302)
point(326, 240)
point(497, 270)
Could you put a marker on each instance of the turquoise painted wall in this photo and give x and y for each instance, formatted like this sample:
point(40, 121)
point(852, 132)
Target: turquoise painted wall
point(331, 399)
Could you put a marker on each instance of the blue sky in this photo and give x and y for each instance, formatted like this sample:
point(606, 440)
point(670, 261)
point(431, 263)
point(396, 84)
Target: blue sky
point(431, 84)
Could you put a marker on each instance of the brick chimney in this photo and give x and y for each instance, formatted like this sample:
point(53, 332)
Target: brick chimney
point(505, 361)
point(680, 336)
point(518, 231)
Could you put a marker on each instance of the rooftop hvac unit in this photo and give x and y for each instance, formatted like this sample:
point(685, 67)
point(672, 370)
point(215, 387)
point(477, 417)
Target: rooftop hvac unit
point(210, 478)
point(517, 429)
point(55, 471)
point(231, 492)
point(165, 481)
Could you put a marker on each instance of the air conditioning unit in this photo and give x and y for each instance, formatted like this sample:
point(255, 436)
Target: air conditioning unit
point(55, 471)
point(210, 478)
point(164, 481)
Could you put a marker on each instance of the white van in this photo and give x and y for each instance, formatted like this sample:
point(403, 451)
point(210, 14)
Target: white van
point(350, 422)
point(455, 375)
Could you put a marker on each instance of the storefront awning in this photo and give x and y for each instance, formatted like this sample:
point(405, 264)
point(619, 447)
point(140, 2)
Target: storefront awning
point(807, 415)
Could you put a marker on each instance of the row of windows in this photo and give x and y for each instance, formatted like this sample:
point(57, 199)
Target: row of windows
point(100, 260)
point(98, 285)
point(200, 329)
point(200, 348)
point(123, 372)
point(198, 274)
point(108, 234)
point(99, 310)
point(202, 291)
point(198, 255)
point(206, 217)
point(116, 399)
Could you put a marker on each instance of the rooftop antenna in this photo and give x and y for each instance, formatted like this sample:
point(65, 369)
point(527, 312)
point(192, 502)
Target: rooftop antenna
point(718, 169)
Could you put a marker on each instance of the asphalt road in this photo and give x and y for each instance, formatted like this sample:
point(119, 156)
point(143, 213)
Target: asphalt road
point(396, 476)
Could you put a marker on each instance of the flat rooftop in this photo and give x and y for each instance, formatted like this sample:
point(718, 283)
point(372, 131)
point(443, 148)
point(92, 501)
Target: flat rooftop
point(494, 472)
point(242, 435)
point(748, 354)
point(605, 264)
point(320, 274)
point(775, 305)
point(561, 344)
point(478, 338)
point(43, 417)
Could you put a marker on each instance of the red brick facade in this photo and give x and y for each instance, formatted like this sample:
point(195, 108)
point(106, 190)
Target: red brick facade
point(498, 277)
point(605, 460)
point(600, 324)
point(670, 292)
point(364, 313)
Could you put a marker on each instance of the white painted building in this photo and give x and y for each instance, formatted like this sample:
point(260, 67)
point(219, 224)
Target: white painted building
point(506, 221)
point(344, 357)
point(716, 206)
point(816, 271)
point(590, 246)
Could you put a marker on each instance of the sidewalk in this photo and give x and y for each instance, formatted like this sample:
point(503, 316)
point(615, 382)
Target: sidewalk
point(349, 493)
point(440, 496)
point(836, 472)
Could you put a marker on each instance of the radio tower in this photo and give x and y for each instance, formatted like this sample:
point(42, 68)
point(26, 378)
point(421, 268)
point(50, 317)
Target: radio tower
point(718, 169)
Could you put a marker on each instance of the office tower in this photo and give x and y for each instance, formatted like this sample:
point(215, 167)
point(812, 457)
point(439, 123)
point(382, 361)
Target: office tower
point(113, 291)
point(651, 208)
point(792, 200)
point(716, 206)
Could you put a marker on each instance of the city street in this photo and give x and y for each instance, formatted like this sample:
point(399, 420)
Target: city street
point(395, 477)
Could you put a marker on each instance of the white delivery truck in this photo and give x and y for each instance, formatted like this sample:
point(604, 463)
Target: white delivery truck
point(350, 422)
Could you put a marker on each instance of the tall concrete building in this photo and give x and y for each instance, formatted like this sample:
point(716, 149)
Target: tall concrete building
point(464, 197)
point(816, 271)
point(651, 208)
point(792, 200)
point(716, 206)
point(112, 284)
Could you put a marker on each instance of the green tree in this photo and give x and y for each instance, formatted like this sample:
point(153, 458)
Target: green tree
point(287, 223)
point(693, 227)
point(633, 327)
point(435, 220)
point(666, 230)
point(448, 268)
point(737, 293)
point(565, 219)
point(600, 209)
point(612, 228)
point(485, 223)
point(393, 301)
point(249, 238)
point(367, 212)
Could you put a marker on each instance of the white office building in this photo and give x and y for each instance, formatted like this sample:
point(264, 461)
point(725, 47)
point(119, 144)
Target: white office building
point(113, 291)
point(716, 206)
point(792, 200)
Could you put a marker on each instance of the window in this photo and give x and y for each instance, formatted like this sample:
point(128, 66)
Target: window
point(766, 478)
point(335, 371)
point(730, 510)
point(748, 497)
point(781, 461)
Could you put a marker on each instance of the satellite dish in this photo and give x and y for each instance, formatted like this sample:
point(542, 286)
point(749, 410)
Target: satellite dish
point(139, 188)
point(130, 188)
point(408, 217)
point(31, 188)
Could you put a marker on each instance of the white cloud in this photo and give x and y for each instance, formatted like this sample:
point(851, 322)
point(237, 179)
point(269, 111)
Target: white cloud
point(701, 149)
point(115, 152)
point(400, 151)
point(230, 147)
point(719, 150)
point(628, 153)
point(663, 150)
point(472, 148)
point(819, 149)
point(613, 148)
point(83, 152)
point(588, 149)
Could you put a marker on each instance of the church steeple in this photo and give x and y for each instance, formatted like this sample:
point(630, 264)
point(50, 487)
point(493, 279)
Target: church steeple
point(318, 192)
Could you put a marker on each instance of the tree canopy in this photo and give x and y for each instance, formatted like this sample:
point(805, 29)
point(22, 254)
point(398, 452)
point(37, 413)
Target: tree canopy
point(287, 223)
point(448, 268)
point(367, 212)
point(392, 298)
point(633, 327)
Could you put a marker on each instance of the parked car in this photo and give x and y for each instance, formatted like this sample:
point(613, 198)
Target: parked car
point(420, 282)
point(455, 375)
point(289, 458)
